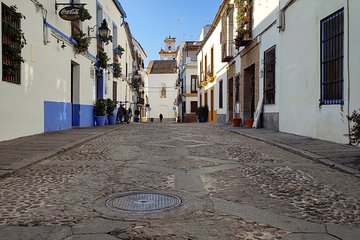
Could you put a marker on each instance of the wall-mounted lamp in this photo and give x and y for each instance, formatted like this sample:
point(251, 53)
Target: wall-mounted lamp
point(104, 31)
point(63, 46)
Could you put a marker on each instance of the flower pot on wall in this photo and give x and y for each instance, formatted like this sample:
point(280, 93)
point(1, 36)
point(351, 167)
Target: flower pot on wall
point(236, 122)
point(249, 122)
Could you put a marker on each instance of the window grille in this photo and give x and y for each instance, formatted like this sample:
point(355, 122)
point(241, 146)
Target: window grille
point(11, 43)
point(332, 58)
point(269, 76)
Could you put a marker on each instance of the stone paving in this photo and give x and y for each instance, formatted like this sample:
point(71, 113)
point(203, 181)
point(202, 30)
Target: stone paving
point(343, 157)
point(232, 187)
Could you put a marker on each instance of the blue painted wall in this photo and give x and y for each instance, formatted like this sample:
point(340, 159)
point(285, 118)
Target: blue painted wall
point(62, 115)
point(83, 115)
point(57, 116)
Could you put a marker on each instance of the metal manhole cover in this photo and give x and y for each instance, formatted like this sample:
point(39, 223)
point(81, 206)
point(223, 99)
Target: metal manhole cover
point(143, 202)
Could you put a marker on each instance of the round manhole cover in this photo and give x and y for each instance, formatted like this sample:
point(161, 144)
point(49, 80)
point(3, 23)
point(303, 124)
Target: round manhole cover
point(143, 202)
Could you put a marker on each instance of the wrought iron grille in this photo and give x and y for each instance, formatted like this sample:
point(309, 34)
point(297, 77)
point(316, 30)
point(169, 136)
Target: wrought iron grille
point(269, 76)
point(11, 45)
point(332, 58)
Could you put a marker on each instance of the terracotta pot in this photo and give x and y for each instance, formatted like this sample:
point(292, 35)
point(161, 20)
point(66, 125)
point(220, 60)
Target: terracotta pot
point(249, 122)
point(236, 122)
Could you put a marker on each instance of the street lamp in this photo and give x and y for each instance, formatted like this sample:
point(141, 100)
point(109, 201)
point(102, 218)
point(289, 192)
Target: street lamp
point(104, 31)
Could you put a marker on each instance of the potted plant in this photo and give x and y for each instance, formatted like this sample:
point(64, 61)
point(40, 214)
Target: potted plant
point(110, 107)
point(202, 113)
point(136, 115)
point(100, 112)
point(119, 50)
point(102, 59)
point(116, 70)
point(354, 132)
point(244, 18)
point(84, 14)
point(82, 42)
point(249, 122)
point(236, 122)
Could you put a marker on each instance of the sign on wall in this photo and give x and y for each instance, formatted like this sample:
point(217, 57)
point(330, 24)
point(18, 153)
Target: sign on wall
point(70, 13)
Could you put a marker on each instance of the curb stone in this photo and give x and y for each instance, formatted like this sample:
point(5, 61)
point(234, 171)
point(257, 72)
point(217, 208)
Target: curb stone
point(27, 162)
point(303, 153)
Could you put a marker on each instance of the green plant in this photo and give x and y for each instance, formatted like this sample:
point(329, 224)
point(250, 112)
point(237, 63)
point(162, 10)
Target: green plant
point(84, 14)
point(354, 134)
point(82, 42)
point(202, 112)
point(102, 59)
point(100, 107)
point(243, 21)
point(110, 106)
point(116, 70)
point(106, 40)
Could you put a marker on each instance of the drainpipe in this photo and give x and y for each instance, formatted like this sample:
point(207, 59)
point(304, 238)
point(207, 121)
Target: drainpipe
point(348, 65)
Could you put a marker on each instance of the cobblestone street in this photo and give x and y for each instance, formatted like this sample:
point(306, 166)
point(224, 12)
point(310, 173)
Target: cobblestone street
point(231, 187)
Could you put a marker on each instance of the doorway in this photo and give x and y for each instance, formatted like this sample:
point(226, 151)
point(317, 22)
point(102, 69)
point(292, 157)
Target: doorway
point(230, 94)
point(212, 113)
point(75, 93)
point(249, 85)
point(115, 91)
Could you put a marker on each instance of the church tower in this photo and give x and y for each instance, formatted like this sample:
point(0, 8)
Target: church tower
point(169, 52)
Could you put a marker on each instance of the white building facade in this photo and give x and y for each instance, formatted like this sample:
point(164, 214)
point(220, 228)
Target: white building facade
point(188, 80)
point(300, 61)
point(320, 66)
point(218, 63)
point(56, 86)
point(162, 91)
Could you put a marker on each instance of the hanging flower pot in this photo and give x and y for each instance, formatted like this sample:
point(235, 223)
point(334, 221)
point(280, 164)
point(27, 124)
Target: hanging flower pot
point(102, 59)
point(82, 42)
point(84, 14)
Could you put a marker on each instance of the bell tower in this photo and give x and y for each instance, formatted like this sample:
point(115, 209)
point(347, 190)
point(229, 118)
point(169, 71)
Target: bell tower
point(169, 51)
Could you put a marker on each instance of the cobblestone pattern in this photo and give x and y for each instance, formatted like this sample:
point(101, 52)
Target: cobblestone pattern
point(283, 186)
point(67, 185)
point(62, 190)
point(200, 224)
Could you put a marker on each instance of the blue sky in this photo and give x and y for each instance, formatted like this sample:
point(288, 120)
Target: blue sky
point(151, 21)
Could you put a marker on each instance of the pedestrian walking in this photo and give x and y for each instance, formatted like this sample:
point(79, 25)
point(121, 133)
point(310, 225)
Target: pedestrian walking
point(129, 112)
point(161, 117)
point(120, 114)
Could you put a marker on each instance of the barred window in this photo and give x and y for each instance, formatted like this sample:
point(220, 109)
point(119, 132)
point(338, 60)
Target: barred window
point(12, 43)
point(332, 58)
point(269, 76)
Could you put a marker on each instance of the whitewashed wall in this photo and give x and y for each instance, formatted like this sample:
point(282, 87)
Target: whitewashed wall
point(46, 74)
point(219, 68)
point(300, 72)
point(269, 37)
point(162, 105)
